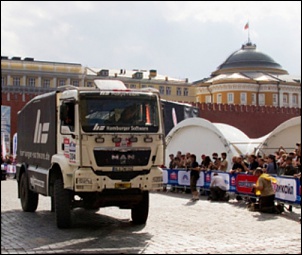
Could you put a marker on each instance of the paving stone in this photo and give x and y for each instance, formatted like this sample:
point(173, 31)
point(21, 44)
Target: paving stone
point(175, 226)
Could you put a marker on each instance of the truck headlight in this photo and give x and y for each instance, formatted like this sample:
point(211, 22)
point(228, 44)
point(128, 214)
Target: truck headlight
point(148, 140)
point(157, 179)
point(84, 181)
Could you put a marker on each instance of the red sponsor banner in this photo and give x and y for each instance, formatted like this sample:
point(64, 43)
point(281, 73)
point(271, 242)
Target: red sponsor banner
point(173, 176)
point(125, 142)
point(244, 183)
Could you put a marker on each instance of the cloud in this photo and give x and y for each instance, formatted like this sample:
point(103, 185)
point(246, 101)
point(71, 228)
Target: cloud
point(229, 11)
point(186, 39)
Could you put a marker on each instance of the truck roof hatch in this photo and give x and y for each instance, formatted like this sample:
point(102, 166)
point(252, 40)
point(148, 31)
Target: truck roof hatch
point(110, 84)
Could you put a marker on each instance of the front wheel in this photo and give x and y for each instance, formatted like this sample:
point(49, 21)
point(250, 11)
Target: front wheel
point(139, 213)
point(3, 177)
point(29, 199)
point(62, 202)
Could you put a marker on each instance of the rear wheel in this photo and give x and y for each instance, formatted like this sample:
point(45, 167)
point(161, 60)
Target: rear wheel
point(62, 201)
point(29, 199)
point(139, 213)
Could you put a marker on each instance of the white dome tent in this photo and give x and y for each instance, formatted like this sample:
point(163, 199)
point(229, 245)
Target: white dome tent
point(199, 136)
point(287, 134)
point(240, 142)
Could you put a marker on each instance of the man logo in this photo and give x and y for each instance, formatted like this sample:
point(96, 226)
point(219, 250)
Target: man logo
point(41, 130)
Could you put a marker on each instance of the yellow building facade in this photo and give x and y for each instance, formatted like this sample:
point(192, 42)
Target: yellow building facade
point(30, 76)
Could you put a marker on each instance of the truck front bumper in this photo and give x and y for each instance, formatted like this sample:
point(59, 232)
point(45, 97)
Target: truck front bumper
point(88, 181)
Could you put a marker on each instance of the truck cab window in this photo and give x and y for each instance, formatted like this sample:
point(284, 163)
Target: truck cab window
point(67, 115)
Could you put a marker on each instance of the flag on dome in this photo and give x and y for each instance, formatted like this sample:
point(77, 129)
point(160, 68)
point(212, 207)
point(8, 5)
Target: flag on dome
point(246, 26)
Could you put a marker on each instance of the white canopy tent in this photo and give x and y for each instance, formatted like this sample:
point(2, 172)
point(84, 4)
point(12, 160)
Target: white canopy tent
point(241, 143)
point(200, 136)
point(286, 135)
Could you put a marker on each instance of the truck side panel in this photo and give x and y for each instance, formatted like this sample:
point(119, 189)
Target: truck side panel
point(37, 131)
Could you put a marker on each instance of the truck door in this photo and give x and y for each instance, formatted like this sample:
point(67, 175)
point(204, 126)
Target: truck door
point(67, 130)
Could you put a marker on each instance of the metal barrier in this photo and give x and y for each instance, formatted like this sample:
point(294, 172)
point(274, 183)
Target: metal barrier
point(287, 188)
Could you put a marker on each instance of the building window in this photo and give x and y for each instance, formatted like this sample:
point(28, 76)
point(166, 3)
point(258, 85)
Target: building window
point(254, 99)
point(230, 98)
point(89, 84)
point(132, 86)
point(275, 99)
point(295, 100)
point(62, 82)
point(178, 91)
point(3, 81)
point(186, 92)
point(161, 90)
point(219, 98)
point(144, 86)
point(75, 83)
point(208, 99)
point(137, 75)
point(31, 82)
point(261, 99)
point(243, 98)
point(103, 73)
point(16, 81)
point(46, 83)
point(285, 99)
point(168, 91)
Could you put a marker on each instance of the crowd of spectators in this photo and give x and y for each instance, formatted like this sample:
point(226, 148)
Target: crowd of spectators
point(282, 162)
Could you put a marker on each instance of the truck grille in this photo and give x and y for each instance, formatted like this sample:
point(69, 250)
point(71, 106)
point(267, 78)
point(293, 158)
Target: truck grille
point(122, 157)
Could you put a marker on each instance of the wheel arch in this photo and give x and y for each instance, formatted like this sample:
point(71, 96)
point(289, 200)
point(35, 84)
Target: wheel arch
point(54, 174)
point(20, 170)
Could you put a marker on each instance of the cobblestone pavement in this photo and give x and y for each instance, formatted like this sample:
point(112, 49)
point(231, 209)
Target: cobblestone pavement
point(175, 226)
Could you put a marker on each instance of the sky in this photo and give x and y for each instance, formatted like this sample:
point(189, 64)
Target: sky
point(183, 39)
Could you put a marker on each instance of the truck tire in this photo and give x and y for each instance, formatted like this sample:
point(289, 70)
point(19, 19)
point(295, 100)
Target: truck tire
point(3, 177)
point(62, 201)
point(29, 199)
point(139, 213)
point(52, 204)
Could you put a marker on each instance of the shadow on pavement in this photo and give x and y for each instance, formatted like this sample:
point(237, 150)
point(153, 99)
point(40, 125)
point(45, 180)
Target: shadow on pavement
point(90, 230)
point(291, 215)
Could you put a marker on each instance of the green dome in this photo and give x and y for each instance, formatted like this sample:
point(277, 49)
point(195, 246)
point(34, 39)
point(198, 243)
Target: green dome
point(249, 59)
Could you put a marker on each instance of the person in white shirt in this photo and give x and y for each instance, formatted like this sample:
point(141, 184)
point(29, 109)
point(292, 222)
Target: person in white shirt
point(218, 189)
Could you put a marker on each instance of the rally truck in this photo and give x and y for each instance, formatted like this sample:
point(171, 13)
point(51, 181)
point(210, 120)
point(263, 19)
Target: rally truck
point(81, 147)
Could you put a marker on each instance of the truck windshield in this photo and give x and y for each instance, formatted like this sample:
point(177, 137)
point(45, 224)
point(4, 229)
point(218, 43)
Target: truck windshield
point(119, 113)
